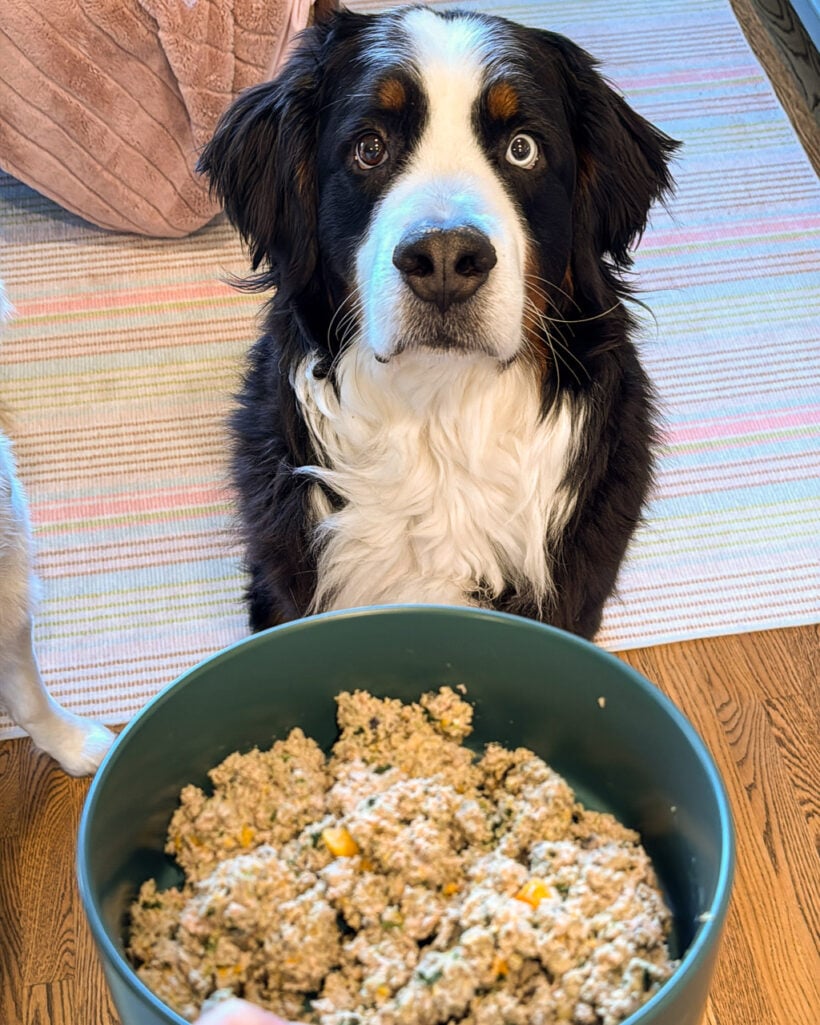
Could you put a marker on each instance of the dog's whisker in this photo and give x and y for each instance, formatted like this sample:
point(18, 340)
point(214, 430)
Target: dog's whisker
point(584, 320)
point(346, 326)
point(336, 322)
point(341, 314)
point(560, 350)
point(568, 354)
point(551, 327)
point(349, 321)
point(574, 320)
point(531, 309)
point(533, 278)
point(345, 341)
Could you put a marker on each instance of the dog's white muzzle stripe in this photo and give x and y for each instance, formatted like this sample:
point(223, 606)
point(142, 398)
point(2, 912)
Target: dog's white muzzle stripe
point(448, 183)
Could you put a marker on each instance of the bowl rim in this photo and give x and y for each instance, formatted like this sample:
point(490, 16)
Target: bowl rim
point(707, 935)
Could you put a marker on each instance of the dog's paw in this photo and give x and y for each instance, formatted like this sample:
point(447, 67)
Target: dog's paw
point(83, 759)
point(78, 744)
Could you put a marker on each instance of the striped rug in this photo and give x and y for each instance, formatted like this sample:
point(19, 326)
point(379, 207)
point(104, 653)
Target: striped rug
point(120, 365)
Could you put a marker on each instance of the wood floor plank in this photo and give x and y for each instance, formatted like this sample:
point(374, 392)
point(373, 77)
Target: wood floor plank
point(12, 952)
point(49, 826)
point(797, 97)
point(732, 1000)
point(10, 788)
point(50, 1003)
point(794, 46)
point(800, 751)
point(794, 713)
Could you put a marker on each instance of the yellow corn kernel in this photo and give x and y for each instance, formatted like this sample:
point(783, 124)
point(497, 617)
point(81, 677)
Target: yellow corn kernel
point(225, 974)
point(534, 891)
point(449, 889)
point(383, 991)
point(444, 722)
point(499, 966)
point(339, 842)
point(247, 835)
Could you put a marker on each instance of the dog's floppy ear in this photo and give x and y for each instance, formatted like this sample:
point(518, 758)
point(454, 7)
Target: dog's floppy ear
point(261, 165)
point(623, 160)
point(324, 10)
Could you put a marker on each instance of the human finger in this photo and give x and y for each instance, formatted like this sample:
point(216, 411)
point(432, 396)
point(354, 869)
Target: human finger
point(239, 1012)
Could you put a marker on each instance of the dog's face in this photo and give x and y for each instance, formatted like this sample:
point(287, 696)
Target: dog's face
point(436, 181)
point(443, 160)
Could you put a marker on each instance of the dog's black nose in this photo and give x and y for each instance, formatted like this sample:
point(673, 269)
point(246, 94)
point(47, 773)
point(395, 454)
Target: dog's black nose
point(445, 266)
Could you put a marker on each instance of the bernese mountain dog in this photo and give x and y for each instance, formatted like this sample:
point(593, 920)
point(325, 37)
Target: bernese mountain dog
point(445, 405)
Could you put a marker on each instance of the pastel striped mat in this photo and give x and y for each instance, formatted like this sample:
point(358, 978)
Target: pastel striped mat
point(125, 351)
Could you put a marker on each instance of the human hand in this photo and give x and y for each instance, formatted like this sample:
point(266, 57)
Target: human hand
point(239, 1012)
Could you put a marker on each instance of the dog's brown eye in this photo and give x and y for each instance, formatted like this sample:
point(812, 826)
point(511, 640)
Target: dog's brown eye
point(370, 150)
point(522, 151)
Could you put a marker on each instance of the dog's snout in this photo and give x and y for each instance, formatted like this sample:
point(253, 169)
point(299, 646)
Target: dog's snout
point(445, 266)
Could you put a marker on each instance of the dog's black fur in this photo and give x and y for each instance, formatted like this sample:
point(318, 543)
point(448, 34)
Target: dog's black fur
point(278, 161)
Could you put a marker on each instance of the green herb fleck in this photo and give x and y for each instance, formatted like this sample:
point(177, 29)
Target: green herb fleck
point(429, 977)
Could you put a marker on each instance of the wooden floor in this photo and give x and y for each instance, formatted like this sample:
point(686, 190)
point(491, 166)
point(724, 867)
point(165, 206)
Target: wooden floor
point(754, 699)
point(794, 48)
point(789, 58)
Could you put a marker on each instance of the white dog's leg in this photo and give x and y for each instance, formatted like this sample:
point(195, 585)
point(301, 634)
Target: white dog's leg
point(78, 744)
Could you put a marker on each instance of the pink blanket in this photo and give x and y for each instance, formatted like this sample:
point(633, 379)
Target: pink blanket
point(105, 104)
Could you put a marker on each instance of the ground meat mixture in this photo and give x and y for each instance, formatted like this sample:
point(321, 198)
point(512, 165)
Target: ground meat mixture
point(403, 880)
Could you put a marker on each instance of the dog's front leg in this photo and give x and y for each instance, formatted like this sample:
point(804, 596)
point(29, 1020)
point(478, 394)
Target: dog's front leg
point(78, 744)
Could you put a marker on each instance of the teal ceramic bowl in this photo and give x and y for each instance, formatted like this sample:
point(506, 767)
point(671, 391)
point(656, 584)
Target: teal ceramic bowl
point(631, 753)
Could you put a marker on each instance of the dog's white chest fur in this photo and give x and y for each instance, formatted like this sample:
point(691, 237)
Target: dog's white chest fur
point(451, 482)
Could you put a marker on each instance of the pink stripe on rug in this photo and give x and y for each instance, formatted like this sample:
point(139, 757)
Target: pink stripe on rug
point(729, 427)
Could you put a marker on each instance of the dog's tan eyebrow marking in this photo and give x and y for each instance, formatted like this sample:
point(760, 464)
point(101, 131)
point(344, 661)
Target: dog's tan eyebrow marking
point(391, 95)
point(502, 101)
